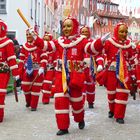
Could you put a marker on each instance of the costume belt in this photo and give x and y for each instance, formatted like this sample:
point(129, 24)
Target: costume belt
point(73, 65)
point(36, 66)
point(112, 66)
point(50, 67)
point(4, 68)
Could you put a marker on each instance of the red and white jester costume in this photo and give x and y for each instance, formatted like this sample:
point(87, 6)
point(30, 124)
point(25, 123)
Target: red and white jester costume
point(7, 63)
point(37, 64)
point(50, 73)
point(118, 74)
point(70, 48)
point(91, 65)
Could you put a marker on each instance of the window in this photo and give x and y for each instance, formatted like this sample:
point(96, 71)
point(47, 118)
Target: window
point(114, 22)
point(2, 6)
point(129, 33)
point(105, 21)
point(31, 9)
point(11, 34)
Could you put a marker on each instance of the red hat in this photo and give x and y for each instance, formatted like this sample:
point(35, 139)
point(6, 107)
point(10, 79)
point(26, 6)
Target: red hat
point(48, 34)
point(75, 25)
point(3, 28)
point(85, 26)
point(116, 30)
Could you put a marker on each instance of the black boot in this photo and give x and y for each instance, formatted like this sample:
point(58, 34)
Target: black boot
point(120, 121)
point(90, 105)
point(27, 105)
point(45, 103)
point(62, 132)
point(33, 109)
point(81, 125)
point(110, 114)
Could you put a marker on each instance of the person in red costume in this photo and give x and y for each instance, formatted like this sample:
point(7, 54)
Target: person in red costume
point(90, 63)
point(31, 67)
point(138, 66)
point(133, 90)
point(119, 52)
point(70, 48)
point(7, 63)
point(49, 75)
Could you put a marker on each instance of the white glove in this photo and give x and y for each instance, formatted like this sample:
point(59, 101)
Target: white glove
point(99, 68)
point(133, 45)
point(33, 33)
point(105, 37)
point(16, 77)
point(136, 61)
point(41, 71)
point(133, 77)
point(87, 61)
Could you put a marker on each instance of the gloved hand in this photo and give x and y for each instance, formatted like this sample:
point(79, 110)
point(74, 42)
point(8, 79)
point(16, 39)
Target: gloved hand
point(133, 77)
point(41, 71)
point(17, 77)
point(99, 68)
point(33, 33)
point(86, 61)
point(105, 37)
point(133, 45)
point(18, 81)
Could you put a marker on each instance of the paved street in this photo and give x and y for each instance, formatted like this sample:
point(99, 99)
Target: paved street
point(22, 124)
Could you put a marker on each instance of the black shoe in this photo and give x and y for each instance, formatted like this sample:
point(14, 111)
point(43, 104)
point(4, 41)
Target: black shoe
point(110, 114)
point(120, 121)
point(45, 103)
point(90, 106)
point(27, 105)
point(62, 132)
point(33, 109)
point(81, 125)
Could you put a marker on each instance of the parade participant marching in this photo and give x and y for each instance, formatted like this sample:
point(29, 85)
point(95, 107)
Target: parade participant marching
point(133, 90)
point(117, 76)
point(7, 63)
point(90, 64)
point(31, 67)
point(70, 48)
point(138, 66)
point(49, 75)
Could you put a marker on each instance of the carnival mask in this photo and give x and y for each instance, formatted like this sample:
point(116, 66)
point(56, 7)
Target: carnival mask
point(85, 31)
point(122, 33)
point(67, 27)
point(46, 38)
point(29, 37)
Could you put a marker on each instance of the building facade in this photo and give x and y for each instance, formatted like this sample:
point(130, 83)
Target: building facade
point(108, 15)
point(47, 15)
point(31, 9)
point(133, 27)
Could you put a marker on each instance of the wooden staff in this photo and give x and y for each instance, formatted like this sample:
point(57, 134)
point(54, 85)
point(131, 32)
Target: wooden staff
point(33, 81)
point(15, 91)
point(23, 18)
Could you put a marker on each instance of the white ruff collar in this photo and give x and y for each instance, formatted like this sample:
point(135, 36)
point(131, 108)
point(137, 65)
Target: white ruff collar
point(29, 49)
point(5, 43)
point(71, 44)
point(119, 45)
point(1, 38)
